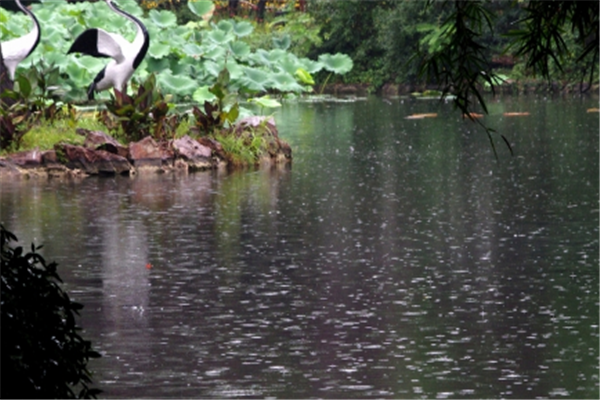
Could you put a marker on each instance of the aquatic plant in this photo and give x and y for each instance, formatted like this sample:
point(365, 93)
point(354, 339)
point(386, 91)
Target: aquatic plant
point(186, 59)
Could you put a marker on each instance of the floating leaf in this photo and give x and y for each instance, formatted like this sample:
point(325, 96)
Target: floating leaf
point(265, 101)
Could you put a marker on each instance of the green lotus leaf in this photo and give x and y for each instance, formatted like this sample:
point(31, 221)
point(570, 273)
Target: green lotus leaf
point(157, 64)
point(130, 7)
point(310, 66)
point(275, 55)
point(201, 7)
point(212, 68)
point(163, 18)
point(79, 76)
point(304, 76)
point(289, 63)
point(282, 42)
point(239, 49)
point(265, 101)
point(176, 84)
point(242, 28)
point(338, 63)
point(225, 26)
point(203, 94)
point(219, 37)
point(181, 66)
point(192, 49)
point(215, 53)
point(285, 82)
point(158, 49)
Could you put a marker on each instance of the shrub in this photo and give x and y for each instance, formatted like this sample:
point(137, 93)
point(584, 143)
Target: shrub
point(43, 355)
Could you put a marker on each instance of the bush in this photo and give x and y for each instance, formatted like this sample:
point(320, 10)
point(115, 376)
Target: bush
point(43, 355)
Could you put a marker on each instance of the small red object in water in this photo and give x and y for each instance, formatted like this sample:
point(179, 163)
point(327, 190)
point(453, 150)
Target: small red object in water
point(148, 266)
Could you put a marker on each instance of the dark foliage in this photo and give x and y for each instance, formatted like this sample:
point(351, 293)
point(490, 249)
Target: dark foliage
point(146, 113)
point(43, 355)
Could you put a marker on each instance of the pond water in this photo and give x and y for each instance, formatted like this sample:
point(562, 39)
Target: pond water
point(394, 258)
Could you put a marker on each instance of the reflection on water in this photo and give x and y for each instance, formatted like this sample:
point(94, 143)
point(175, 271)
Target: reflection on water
point(395, 258)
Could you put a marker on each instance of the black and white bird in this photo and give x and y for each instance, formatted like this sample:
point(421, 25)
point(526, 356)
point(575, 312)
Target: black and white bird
point(126, 56)
point(16, 50)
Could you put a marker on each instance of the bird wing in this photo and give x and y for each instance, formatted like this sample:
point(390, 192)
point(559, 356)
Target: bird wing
point(99, 43)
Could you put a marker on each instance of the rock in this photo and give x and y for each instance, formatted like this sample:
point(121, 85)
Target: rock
point(145, 153)
point(102, 141)
point(255, 122)
point(216, 147)
point(90, 161)
point(27, 159)
point(196, 155)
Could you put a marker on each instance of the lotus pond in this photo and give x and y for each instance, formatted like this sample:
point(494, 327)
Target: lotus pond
point(395, 258)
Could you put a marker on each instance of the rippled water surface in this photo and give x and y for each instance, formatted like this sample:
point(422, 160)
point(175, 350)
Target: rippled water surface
point(395, 259)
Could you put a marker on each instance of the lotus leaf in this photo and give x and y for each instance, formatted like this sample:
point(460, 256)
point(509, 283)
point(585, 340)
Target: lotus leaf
point(203, 94)
point(265, 101)
point(131, 7)
point(283, 42)
point(215, 53)
point(157, 65)
point(243, 28)
point(201, 7)
point(254, 79)
point(285, 82)
point(158, 49)
point(180, 85)
point(337, 63)
point(304, 76)
point(192, 49)
point(289, 63)
point(163, 18)
point(310, 66)
point(219, 37)
point(239, 49)
point(225, 26)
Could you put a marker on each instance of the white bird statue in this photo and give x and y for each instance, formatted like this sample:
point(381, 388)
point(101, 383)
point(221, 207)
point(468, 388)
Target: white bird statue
point(16, 50)
point(126, 56)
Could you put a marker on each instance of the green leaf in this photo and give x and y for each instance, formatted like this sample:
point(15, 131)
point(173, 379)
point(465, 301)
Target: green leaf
point(200, 7)
point(225, 26)
point(203, 94)
point(158, 49)
point(177, 84)
point(282, 42)
point(265, 101)
point(242, 28)
point(163, 18)
point(219, 37)
point(337, 63)
point(304, 76)
point(285, 82)
point(239, 49)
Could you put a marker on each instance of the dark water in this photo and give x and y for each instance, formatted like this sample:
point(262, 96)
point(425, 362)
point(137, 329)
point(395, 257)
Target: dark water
point(396, 259)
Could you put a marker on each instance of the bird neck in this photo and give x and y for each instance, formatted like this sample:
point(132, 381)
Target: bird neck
point(141, 36)
point(36, 25)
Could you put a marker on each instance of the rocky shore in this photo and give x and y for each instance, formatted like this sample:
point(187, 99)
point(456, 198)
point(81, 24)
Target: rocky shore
point(101, 154)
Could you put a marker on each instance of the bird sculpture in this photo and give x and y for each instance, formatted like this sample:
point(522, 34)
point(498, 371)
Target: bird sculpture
point(126, 56)
point(16, 50)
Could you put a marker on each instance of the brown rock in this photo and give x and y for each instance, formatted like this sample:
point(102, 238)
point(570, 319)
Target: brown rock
point(27, 159)
point(145, 153)
point(103, 141)
point(92, 161)
point(196, 155)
